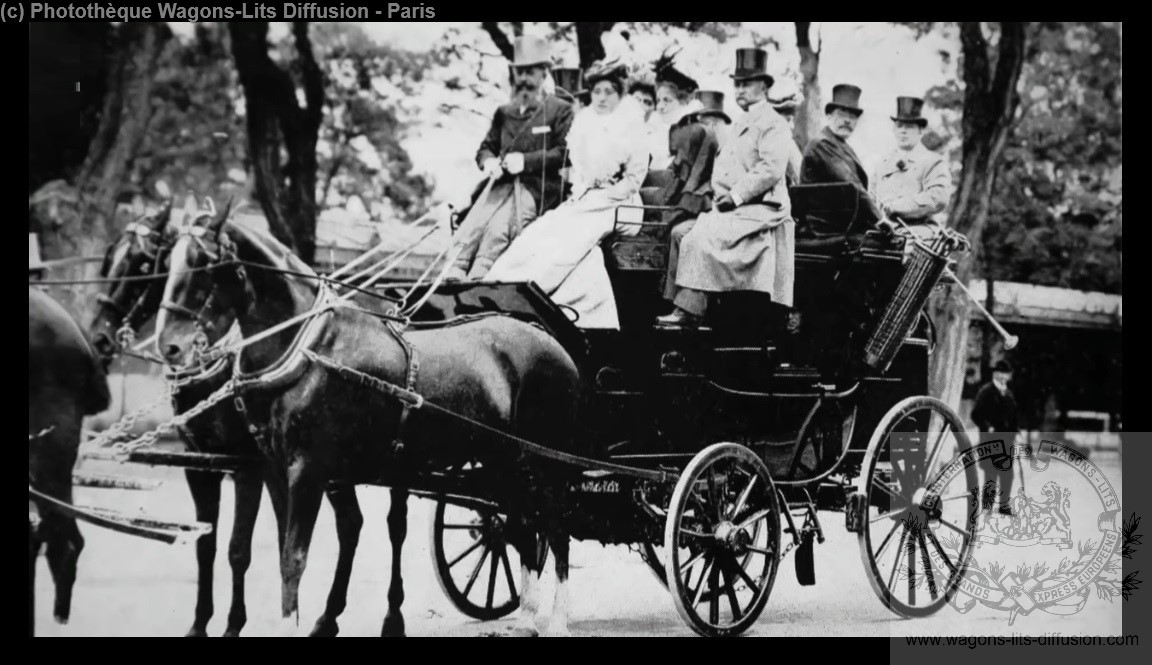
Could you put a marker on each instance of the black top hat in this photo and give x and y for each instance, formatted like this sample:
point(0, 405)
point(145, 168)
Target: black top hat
point(908, 110)
point(568, 79)
point(752, 64)
point(713, 104)
point(845, 96)
point(1002, 366)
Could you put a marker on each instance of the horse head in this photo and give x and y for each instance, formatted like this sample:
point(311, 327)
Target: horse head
point(210, 286)
point(140, 251)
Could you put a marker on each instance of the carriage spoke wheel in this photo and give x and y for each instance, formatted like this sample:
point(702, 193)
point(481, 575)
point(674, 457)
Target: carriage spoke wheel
point(917, 531)
point(722, 540)
point(476, 566)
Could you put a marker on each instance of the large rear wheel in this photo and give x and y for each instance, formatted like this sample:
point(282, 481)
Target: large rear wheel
point(917, 506)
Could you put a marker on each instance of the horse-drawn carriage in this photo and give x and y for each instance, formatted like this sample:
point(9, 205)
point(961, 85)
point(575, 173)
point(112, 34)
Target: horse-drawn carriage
point(704, 448)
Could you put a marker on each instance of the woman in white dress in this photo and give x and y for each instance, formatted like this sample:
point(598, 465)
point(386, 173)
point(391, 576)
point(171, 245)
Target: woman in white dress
point(560, 251)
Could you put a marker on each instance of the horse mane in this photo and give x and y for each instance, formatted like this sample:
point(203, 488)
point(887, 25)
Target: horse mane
point(275, 252)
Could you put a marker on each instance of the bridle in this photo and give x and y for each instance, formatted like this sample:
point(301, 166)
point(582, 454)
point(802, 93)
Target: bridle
point(224, 256)
point(141, 235)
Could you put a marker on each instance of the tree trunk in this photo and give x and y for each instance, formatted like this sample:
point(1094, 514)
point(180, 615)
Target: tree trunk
point(499, 39)
point(990, 103)
point(79, 218)
point(287, 192)
point(809, 114)
point(588, 41)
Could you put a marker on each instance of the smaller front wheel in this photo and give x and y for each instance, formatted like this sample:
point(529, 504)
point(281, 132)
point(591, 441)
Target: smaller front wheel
point(722, 540)
point(474, 561)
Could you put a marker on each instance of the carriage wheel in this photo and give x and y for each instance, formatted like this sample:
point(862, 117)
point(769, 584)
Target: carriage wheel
point(722, 540)
point(916, 532)
point(475, 564)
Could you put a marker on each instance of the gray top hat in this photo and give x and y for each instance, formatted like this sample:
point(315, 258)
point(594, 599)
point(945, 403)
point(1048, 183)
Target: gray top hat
point(531, 50)
point(845, 96)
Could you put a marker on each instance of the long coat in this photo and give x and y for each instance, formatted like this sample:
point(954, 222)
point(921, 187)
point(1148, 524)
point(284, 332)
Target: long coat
point(915, 184)
point(753, 246)
point(524, 131)
point(694, 148)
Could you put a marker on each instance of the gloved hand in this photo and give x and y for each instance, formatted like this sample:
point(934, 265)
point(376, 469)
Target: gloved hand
point(492, 167)
point(514, 162)
point(725, 203)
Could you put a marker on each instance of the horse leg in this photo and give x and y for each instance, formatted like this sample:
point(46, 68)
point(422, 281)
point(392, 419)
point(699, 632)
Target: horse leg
point(33, 553)
point(527, 624)
point(305, 491)
point(559, 543)
point(397, 532)
point(205, 489)
point(249, 487)
point(349, 521)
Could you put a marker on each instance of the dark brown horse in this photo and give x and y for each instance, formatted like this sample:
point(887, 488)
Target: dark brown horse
point(320, 428)
point(65, 383)
point(142, 250)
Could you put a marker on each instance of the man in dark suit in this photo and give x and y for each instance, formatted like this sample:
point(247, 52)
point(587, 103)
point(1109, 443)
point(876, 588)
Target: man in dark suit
point(995, 411)
point(524, 152)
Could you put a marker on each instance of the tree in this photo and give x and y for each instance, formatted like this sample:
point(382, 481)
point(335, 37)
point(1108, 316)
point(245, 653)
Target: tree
point(990, 76)
point(809, 114)
point(588, 43)
point(77, 217)
point(275, 121)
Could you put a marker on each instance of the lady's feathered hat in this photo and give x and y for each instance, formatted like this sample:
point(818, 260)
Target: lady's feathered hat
point(614, 70)
point(666, 72)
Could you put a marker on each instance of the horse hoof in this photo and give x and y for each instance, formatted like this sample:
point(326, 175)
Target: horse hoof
point(325, 628)
point(289, 627)
point(197, 632)
point(62, 620)
point(231, 632)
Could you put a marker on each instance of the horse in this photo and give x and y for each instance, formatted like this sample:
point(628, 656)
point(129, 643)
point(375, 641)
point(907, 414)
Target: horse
point(141, 251)
point(314, 390)
point(66, 382)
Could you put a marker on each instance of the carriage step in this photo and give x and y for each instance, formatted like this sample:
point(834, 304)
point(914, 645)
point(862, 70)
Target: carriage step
point(104, 481)
point(805, 560)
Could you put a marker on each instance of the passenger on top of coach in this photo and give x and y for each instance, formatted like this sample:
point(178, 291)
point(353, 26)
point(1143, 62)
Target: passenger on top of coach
point(746, 243)
point(913, 182)
point(787, 102)
point(674, 101)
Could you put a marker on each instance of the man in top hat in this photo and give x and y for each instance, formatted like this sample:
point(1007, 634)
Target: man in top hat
point(994, 411)
point(912, 182)
point(523, 154)
point(746, 242)
point(828, 157)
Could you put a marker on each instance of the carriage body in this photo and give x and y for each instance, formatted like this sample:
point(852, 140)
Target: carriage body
point(655, 397)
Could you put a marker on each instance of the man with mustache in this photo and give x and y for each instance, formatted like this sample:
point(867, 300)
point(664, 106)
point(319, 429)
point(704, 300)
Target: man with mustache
point(523, 153)
point(746, 242)
point(913, 183)
point(828, 158)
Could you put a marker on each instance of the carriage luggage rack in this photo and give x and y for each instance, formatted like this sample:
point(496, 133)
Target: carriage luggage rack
point(921, 274)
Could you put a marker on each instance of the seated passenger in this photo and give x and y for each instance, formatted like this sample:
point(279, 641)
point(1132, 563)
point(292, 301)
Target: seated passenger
point(828, 158)
point(673, 102)
point(746, 243)
point(522, 155)
point(655, 130)
point(786, 103)
point(912, 182)
point(560, 251)
point(695, 144)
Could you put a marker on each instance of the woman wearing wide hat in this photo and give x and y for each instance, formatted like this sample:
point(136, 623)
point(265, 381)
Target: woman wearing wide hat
point(560, 251)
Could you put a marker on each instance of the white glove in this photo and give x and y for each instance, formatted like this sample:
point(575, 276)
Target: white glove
point(514, 162)
point(492, 167)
